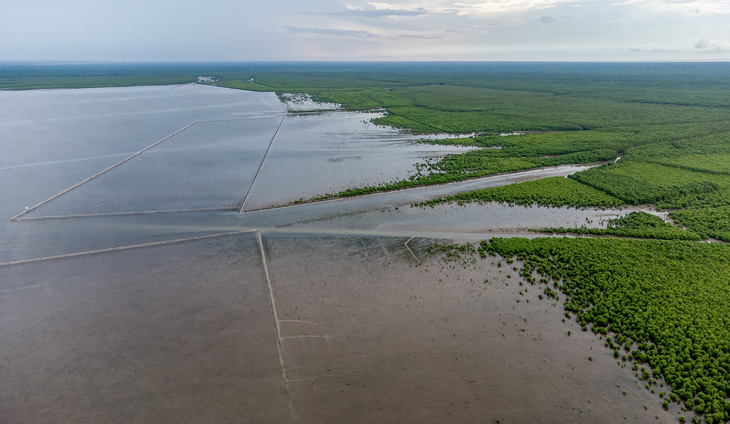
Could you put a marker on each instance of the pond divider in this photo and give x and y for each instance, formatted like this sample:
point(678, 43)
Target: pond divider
point(28, 210)
point(272, 302)
point(262, 163)
point(120, 248)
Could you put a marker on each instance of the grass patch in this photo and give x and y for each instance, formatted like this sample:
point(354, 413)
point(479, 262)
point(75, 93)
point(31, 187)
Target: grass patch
point(635, 224)
point(554, 191)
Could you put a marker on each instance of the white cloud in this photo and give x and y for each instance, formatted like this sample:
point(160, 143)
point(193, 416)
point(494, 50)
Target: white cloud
point(332, 31)
point(685, 7)
point(478, 8)
point(702, 46)
point(376, 10)
point(504, 7)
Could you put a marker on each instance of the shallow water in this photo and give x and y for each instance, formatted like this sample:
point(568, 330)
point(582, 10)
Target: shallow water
point(297, 102)
point(211, 165)
point(166, 315)
point(186, 331)
point(316, 154)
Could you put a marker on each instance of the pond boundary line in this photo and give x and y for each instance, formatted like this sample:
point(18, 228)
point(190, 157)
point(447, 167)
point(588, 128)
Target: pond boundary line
point(262, 163)
point(272, 302)
point(438, 235)
point(106, 214)
point(122, 248)
point(28, 210)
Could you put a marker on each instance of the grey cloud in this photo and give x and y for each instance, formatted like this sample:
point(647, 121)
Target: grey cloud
point(422, 37)
point(329, 31)
point(382, 12)
point(712, 46)
point(640, 50)
point(547, 19)
point(703, 44)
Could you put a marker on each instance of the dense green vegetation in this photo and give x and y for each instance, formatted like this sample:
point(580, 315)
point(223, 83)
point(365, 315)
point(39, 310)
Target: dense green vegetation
point(25, 76)
point(569, 125)
point(554, 191)
point(645, 183)
point(707, 222)
point(665, 305)
point(477, 163)
point(673, 166)
point(635, 224)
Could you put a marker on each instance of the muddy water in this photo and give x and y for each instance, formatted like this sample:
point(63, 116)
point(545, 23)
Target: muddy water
point(487, 219)
point(53, 125)
point(176, 174)
point(392, 333)
point(179, 333)
point(163, 330)
point(298, 102)
point(315, 154)
point(51, 140)
point(396, 335)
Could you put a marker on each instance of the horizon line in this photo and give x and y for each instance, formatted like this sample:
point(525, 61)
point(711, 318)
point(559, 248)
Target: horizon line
point(333, 61)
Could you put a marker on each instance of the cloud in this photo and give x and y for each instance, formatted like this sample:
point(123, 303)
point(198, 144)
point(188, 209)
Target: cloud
point(547, 19)
point(421, 36)
point(332, 31)
point(378, 13)
point(502, 7)
point(658, 50)
point(478, 8)
point(705, 46)
point(712, 46)
point(685, 7)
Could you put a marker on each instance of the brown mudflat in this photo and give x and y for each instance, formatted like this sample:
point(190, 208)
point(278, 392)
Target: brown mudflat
point(180, 333)
point(371, 329)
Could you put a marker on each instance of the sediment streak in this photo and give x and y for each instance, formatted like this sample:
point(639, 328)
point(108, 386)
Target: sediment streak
point(276, 322)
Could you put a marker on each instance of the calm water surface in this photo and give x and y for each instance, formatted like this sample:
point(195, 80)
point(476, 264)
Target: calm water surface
point(242, 145)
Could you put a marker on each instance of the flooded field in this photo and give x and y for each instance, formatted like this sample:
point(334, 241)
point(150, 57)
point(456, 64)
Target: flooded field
point(185, 330)
point(315, 154)
point(177, 173)
point(179, 333)
point(144, 295)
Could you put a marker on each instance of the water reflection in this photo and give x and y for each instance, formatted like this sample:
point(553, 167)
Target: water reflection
point(192, 183)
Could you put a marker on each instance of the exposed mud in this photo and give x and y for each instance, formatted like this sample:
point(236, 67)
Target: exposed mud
point(178, 333)
point(374, 330)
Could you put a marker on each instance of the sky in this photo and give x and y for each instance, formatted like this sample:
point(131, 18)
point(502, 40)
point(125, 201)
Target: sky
point(354, 30)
